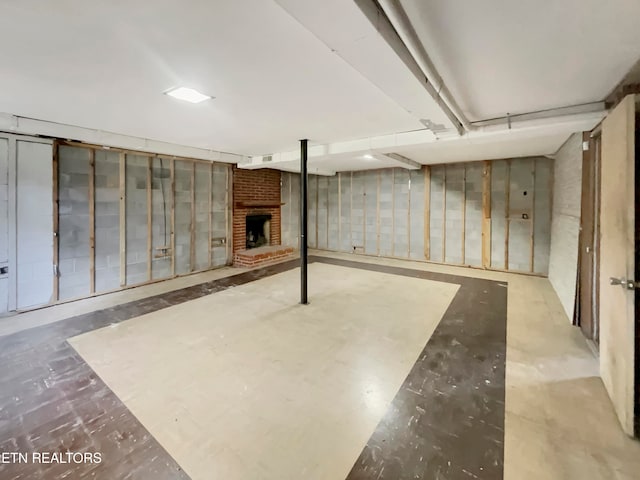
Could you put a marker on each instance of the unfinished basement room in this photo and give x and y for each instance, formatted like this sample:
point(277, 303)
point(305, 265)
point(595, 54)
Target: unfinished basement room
point(320, 240)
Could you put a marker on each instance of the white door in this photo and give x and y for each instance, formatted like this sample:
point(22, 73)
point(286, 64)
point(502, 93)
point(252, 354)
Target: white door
point(29, 222)
point(617, 259)
point(4, 225)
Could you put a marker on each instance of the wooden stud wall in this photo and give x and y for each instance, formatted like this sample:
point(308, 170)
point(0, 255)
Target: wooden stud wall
point(476, 222)
point(122, 213)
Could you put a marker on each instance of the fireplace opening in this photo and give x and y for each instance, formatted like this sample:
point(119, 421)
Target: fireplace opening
point(258, 231)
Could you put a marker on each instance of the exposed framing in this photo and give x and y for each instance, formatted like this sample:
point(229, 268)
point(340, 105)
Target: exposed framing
point(149, 218)
point(56, 223)
point(378, 180)
point(464, 214)
point(192, 225)
point(486, 214)
point(507, 213)
point(92, 221)
point(444, 213)
point(532, 218)
point(172, 235)
point(123, 219)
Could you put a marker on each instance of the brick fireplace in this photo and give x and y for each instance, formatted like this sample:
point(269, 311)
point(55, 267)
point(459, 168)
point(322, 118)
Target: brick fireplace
point(256, 205)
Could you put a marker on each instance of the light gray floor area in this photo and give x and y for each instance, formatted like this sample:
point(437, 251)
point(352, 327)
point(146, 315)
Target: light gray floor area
point(246, 383)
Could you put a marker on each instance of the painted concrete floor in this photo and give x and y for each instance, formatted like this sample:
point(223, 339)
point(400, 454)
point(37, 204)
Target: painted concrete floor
point(558, 421)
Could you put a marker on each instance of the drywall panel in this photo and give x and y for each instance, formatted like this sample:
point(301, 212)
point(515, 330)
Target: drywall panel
point(34, 246)
point(333, 242)
point(322, 209)
point(416, 218)
point(436, 202)
point(454, 203)
point(521, 195)
point(499, 181)
point(136, 218)
point(73, 222)
point(473, 214)
point(107, 220)
point(202, 207)
point(371, 212)
point(542, 215)
point(161, 218)
point(182, 220)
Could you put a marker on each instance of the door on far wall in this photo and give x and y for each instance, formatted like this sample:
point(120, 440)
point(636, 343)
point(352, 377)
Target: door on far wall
point(29, 223)
point(587, 310)
point(617, 260)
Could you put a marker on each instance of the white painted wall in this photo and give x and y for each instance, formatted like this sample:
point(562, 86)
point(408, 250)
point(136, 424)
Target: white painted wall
point(565, 225)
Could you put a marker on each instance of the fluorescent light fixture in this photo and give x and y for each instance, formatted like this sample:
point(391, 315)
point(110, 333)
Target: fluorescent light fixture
point(367, 157)
point(187, 94)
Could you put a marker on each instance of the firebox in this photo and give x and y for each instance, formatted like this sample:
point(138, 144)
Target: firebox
point(258, 231)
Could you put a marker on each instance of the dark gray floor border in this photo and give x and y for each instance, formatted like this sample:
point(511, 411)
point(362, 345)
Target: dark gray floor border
point(447, 419)
point(51, 400)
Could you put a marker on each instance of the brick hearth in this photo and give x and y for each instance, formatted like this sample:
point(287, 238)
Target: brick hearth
point(256, 192)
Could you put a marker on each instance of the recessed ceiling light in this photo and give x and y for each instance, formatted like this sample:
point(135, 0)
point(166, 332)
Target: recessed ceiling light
point(367, 157)
point(187, 94)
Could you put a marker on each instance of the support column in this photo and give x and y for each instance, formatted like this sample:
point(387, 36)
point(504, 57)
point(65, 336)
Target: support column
point(303, 222)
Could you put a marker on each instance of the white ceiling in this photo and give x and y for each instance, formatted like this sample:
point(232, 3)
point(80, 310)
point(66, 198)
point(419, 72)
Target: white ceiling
point(282, 70)
point(499, 56)
point(105, 65)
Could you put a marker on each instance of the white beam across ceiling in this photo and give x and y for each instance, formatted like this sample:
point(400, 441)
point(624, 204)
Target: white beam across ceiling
point(485, 142)
point(29, 126)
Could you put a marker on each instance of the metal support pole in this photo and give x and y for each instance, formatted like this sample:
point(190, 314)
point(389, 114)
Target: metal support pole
point(303, 222)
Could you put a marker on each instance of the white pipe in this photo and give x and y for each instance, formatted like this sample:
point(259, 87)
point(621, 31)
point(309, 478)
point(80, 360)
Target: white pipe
point(400, 21)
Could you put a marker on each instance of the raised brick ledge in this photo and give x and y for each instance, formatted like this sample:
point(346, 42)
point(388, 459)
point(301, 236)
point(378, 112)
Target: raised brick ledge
point(261, 256)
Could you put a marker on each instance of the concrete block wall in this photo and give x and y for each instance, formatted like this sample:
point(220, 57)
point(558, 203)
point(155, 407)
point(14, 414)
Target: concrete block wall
point(107, 215)
point(220, 215)
point(416, 219)
point(136, 219)
point(73, 222)
point(473, 216)
point(454, 185)
point(382, 212)
point(360, 212)
point(499, 175)
point(201, 195)
point(161, 198)
point(290, 212)
point(182, 225)
point(565, 226)
point(521, 186)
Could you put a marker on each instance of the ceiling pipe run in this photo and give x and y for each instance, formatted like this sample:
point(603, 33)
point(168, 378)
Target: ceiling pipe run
point(402, 25)
point(392, 35)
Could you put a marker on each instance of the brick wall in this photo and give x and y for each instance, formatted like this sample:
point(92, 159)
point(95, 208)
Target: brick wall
point(255, 186)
